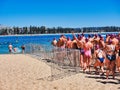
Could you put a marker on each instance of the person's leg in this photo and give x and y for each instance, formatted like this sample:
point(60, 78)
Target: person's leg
point(102, 69)
point(81, 60)
point(89, 58)
point(119, 69)
point(95, 66)
point(89, 63)
point(84, 63)
point(101, 61)
point(107, 68)
point(118, 63)
point(113, 68)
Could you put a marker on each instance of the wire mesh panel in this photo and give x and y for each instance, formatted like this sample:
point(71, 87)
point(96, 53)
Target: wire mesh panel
point(37, 50)
point(28, 48)
point(63, 62)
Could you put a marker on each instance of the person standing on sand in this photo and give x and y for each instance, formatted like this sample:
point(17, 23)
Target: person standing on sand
point(74, 46)
point(80, 41)
point(87, 54)
point(23, 48)
point(10, 48)
point(118, 58)
point(110, 51)
point(100, 59)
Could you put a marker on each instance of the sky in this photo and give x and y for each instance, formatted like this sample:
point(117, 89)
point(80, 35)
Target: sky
point(63, 13)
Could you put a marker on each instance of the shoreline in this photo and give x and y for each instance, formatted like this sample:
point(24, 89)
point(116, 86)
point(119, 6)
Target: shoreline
point(55, 34)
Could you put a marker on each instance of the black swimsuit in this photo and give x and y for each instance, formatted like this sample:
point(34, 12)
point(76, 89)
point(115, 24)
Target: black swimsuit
point(81, 50)
point(111, 57)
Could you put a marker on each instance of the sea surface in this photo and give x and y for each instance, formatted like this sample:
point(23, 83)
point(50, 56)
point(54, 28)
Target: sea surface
point(42, 39)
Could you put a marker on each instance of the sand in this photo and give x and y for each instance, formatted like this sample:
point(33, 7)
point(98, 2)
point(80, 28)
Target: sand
point(23, 72)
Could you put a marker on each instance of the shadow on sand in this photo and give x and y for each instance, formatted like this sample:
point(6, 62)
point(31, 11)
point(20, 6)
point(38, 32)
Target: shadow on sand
point(103, 80)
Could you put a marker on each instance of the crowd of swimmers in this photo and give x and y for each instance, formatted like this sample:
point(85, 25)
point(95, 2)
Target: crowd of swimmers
point(103, 52)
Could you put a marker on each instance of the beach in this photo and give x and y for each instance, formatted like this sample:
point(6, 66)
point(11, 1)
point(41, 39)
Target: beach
point(23, 72)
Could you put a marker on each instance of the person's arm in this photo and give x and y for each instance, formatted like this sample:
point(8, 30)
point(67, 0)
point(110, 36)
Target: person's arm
point(116, 50)
point(107, 39)
point(105, 48)
point(74, 36)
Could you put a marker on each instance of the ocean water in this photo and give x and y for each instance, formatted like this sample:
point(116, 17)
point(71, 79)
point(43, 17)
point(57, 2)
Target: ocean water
point(19, 40)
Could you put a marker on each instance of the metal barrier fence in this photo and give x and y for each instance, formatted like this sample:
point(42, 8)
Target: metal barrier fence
point(63, 62)
point(38, 50)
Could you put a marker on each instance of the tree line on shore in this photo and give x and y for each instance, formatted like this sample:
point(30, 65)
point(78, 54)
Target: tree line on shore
point(55, 30)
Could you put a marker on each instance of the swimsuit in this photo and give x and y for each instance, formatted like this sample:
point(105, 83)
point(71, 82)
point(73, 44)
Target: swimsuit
point(100, 56)
point(88, 53)
point(101, 59)
point(111, 57)
point(81, 50)
point(23, 48)
point(92, 50)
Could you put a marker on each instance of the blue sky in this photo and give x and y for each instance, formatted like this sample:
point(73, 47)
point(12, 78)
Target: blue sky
point(64, 13)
